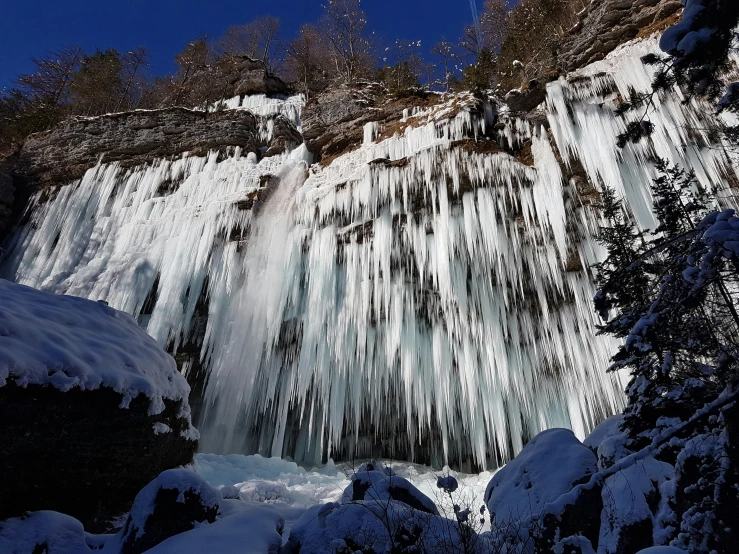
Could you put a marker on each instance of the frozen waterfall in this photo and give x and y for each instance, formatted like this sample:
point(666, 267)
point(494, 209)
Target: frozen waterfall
point(416, 298)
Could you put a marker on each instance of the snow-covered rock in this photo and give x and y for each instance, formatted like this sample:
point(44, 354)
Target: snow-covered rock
point(249, 530)
point(524, 492)
point(85, 391)
point(173, 503)
point(376, 483)
point(68, 342)
point(367, 525)
point(603, 430)
point(45, 531)
point(551, 464)
point(631, 499)
point(661, 550)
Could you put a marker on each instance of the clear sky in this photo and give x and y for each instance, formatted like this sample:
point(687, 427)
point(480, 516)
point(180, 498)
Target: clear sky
point(34, 27)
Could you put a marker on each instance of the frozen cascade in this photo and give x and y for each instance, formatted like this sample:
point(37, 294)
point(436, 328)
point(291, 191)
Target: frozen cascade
point(580, 112)
point(414, 299)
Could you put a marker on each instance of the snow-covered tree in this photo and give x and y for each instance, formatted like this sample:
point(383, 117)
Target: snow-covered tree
point(672, 298)
point(696, 58)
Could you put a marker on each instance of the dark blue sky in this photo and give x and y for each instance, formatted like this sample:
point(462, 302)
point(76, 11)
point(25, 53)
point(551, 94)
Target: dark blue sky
point(34, 27)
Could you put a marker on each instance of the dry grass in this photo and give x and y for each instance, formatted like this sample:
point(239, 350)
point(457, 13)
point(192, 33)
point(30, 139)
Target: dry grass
point(661, 25)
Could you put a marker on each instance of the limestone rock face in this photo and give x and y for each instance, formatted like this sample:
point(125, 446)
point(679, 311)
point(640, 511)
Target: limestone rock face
point(606, 25)
point(234, 76)
point(333, 121)
point(133, 138)
point(248, 76)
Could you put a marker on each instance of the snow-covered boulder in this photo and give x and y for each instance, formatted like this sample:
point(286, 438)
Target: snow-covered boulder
point(374, 482)
point(605, 429)
point(85, 391)
point(523, 491)
point(608, 441)
point(631, 501)
point(378, 512)
point(45, 531)
point(371, 526)
point(247, 529)
point(171, 504)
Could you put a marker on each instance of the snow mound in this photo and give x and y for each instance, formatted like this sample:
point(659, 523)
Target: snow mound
point(661, 550)
point(548, 466)
point(181, 480)
point(68, 342)
point(264, 491)
point(60, 533)
point(626, 497)
point(376, 483)
point(304, 487)
point(249, 530)
point(603, 430)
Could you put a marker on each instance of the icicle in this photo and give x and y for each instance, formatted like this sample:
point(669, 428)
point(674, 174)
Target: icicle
point(441, 303)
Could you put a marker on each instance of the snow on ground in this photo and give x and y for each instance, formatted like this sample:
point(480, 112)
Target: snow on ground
point(62, 534)
point(69, 342)
point(246, 529)
point(288, 489)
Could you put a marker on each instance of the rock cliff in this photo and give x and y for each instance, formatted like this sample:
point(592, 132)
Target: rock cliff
point(136, 138)
point(605, 25)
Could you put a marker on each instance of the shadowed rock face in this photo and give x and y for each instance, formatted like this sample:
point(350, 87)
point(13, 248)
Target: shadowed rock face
point(79, 453)
point(606, 25)
point(63, 154)
point(7, 197)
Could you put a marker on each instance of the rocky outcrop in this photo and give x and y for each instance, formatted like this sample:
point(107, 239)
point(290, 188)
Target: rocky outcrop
point(92, 408)
point(604, 26)
point(333, 122)
point(64, 153)
point(239, 76)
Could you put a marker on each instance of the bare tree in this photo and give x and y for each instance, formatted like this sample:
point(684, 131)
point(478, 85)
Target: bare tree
point(343, 27)
point(134, 63)
point(54, 72)
point(445, 51)
point(494, 24)
point(308, 60)
point(257, 39)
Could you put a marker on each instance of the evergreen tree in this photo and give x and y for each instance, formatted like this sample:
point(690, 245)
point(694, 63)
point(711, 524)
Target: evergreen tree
point(696, 57)
point(668, 298)
point(479, 76)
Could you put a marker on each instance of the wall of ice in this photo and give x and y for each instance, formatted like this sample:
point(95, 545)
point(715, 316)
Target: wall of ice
point(417, 298)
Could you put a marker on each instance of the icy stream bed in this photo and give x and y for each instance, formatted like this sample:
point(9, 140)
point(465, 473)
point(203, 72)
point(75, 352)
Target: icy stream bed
point(290, 489)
